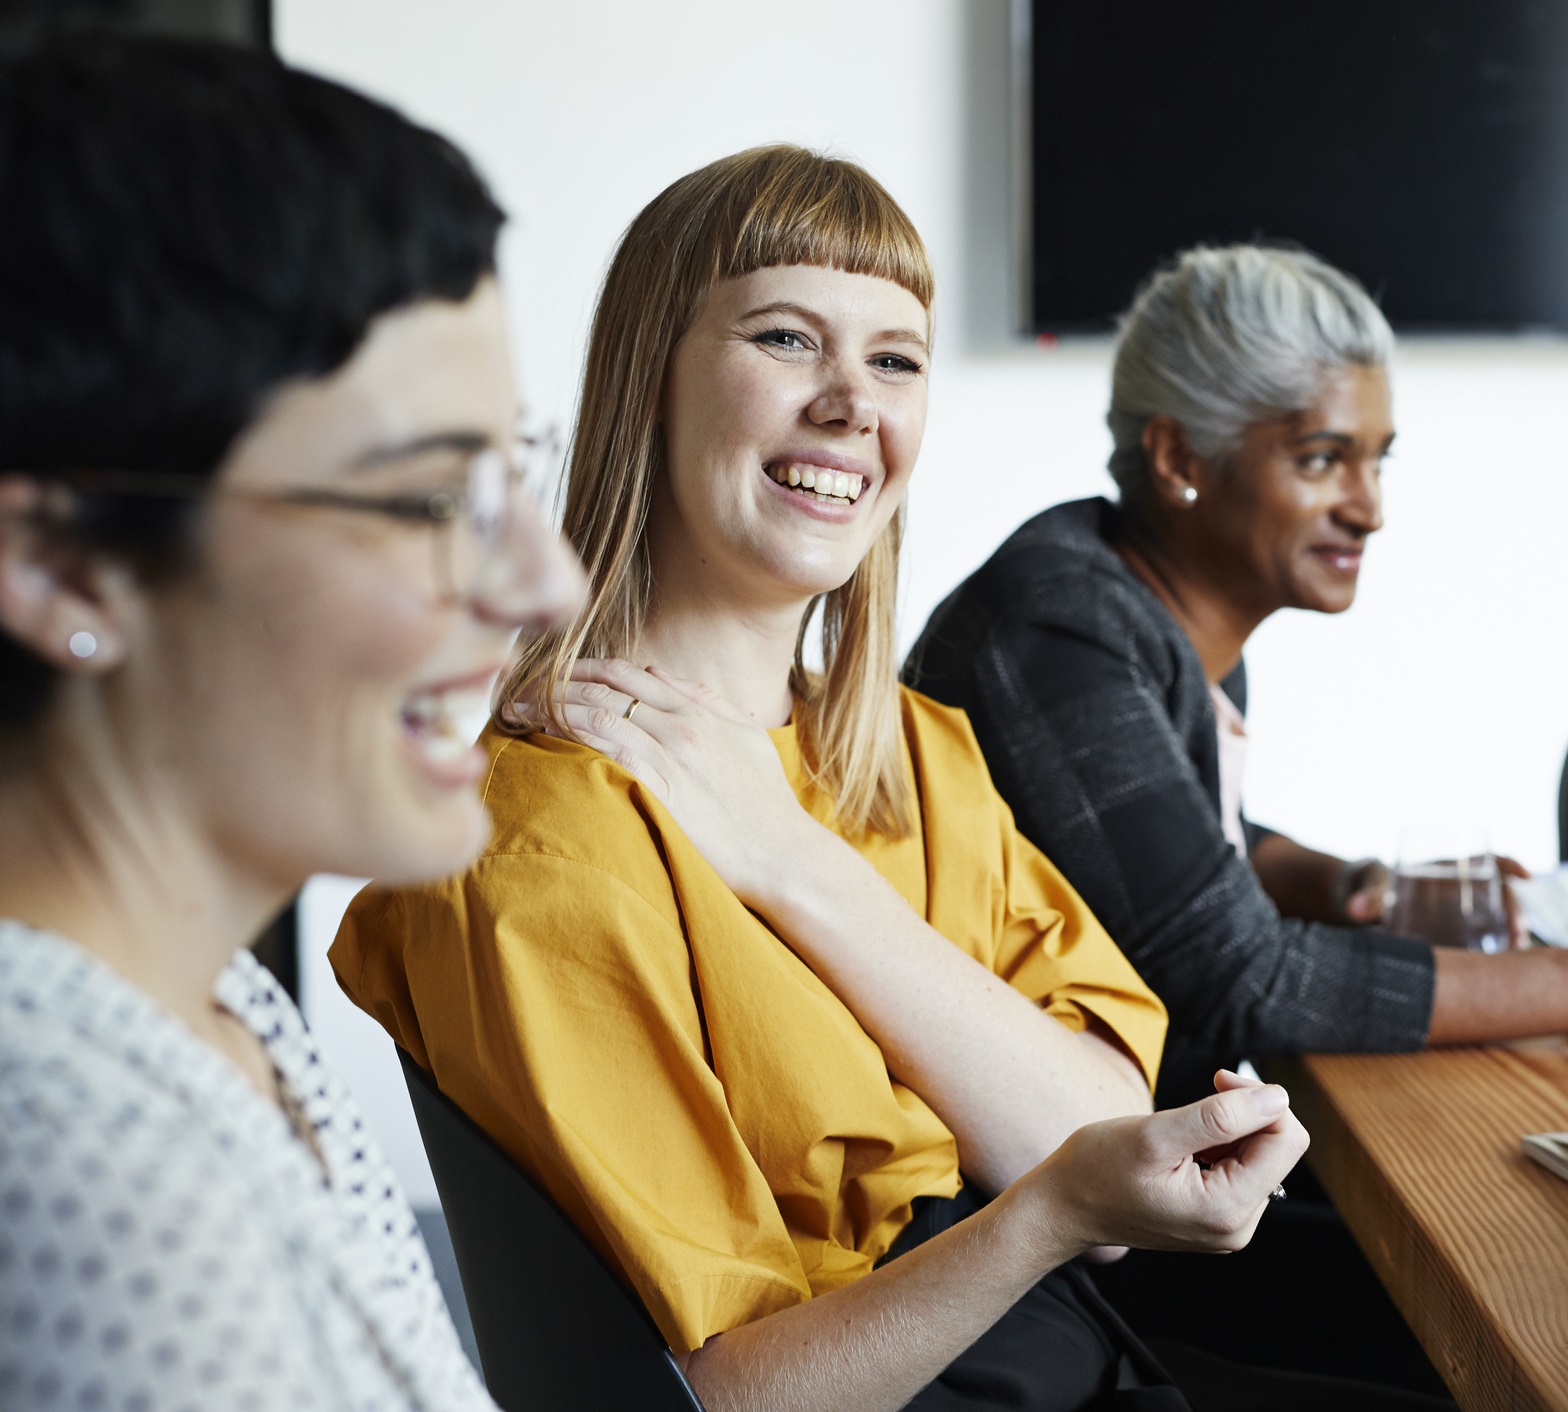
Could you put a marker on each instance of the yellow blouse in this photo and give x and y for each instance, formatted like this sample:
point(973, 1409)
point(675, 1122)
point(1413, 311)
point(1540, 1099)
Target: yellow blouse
point(695, 1099)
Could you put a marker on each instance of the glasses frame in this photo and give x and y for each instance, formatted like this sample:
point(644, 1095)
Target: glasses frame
point(521, 469)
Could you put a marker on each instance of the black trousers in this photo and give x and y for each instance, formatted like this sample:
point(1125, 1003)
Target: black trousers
point(1300, 1296)
point(1063, 1348)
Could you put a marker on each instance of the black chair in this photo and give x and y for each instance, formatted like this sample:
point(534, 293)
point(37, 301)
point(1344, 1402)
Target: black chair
point(557, 1332)
point(1562, 816)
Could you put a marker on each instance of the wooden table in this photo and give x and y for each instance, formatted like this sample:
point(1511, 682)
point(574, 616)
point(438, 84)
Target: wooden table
point(1421, 1155)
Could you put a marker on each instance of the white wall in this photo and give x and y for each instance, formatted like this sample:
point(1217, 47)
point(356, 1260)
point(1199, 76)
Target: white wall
point(1444, 691)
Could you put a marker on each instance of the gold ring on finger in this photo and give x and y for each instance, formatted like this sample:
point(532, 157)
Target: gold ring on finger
point(626, 715)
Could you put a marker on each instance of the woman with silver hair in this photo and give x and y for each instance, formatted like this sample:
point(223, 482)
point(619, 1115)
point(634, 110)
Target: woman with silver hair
point(1099, 656)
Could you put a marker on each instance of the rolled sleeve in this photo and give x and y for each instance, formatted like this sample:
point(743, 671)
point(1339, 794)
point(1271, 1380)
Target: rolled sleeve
point(1072, 699)
point(1054, 951)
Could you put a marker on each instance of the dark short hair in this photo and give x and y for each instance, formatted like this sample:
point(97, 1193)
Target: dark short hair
point(184, 227)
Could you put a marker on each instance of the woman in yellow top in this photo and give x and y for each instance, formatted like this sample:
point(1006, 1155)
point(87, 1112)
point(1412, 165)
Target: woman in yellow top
point(751, 971)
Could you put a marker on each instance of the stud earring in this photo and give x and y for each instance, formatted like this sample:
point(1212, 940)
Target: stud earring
point(82, 645)
point(1189, 495)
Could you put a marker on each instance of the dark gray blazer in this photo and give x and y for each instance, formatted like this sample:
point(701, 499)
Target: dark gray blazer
point(1093, 711)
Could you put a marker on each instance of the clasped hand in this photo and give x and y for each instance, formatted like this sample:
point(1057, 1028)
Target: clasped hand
point(1195, 1178)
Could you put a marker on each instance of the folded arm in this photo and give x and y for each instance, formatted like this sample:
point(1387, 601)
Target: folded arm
point(1008, 1079)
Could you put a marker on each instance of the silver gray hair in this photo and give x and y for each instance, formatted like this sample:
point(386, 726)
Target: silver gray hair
point(1227, 337)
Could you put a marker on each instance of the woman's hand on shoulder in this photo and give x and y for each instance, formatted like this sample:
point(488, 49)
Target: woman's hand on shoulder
point(1193, 1178)
point(716, 772)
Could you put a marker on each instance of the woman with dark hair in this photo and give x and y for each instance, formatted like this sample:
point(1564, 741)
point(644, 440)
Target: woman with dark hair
point(757, 976)
point(262, 540)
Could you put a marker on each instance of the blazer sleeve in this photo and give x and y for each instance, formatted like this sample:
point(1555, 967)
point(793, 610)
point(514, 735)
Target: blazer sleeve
point(1082, 746)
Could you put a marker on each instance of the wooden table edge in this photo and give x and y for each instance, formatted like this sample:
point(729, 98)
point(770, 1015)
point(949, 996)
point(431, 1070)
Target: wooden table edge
point(1481, 1368)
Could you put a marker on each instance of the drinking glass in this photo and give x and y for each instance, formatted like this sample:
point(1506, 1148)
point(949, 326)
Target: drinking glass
point(1447, 888)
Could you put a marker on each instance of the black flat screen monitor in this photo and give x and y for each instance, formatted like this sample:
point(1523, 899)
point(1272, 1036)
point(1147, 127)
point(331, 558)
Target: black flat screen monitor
point(1420, 144)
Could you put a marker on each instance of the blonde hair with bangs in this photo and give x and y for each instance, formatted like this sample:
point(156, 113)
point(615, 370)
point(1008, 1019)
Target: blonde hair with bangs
point(779, 205)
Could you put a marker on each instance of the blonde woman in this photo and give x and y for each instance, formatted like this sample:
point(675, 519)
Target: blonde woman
point(753, 970)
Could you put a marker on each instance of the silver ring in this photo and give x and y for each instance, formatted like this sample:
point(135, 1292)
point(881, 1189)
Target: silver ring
point(626, 715)
point(1278, 1194)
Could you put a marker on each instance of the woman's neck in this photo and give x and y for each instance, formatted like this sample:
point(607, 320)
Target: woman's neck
point(96, 855)
point(1215, 623)
point(744, 654)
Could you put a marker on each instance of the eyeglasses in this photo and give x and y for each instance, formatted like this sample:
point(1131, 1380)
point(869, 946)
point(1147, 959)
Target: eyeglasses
point(472, 526)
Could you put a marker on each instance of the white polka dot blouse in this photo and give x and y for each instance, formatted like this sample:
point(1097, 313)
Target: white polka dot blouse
point(167, 1239)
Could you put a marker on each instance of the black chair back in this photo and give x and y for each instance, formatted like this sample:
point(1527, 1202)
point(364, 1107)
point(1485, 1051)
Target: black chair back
point(557, 1332)
point(1562, 816)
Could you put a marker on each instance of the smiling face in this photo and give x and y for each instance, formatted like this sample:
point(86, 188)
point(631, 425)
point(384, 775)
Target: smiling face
point(1285, 524)
point(792, 417)
point(311, 681)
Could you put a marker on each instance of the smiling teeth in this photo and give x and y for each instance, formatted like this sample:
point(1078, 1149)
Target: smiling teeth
point(823, 483)
point(443, 749)
point(447, 723)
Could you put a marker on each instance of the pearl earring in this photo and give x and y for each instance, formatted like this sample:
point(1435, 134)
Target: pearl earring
point(82, 645)
point(1189, 494)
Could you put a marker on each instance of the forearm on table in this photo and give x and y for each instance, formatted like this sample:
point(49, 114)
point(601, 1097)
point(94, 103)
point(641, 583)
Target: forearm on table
point(1477, 997)
point(1299, 880)
point(1009, 1079)
point(874, 1344)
